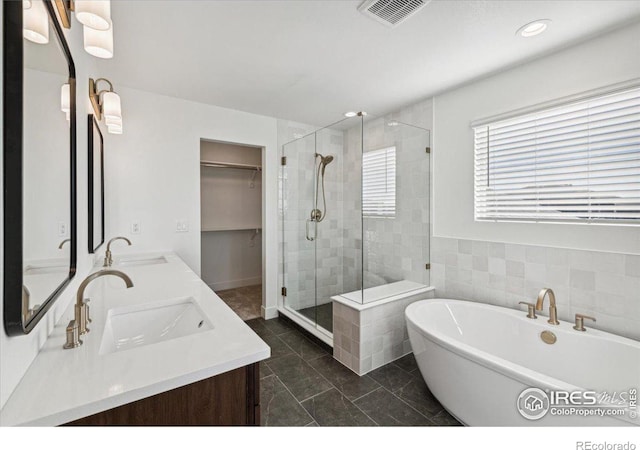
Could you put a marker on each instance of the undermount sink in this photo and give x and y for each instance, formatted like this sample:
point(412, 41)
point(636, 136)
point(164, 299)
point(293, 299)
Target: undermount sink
point(141, 261)
point(136, 326)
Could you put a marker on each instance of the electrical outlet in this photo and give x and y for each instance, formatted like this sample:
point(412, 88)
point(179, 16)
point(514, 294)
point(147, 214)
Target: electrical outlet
point(135, 227)
point(182, 226)
point(62, 229)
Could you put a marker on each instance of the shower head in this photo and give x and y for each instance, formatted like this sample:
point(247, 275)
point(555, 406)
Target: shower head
point(324, 160)
point(327, 159)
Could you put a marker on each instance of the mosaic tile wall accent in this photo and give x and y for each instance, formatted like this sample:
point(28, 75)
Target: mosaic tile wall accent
point(367, 339)
point(599, 284)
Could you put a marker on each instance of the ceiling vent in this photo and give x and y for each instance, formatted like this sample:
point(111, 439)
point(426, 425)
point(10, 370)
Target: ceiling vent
point(391, 12)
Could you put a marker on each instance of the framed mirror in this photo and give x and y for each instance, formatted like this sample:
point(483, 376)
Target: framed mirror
point(96, 184)
point(39, 166)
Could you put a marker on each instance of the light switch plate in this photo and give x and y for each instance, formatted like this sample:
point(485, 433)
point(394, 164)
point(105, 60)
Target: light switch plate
point(182, 226)
point(62, 229)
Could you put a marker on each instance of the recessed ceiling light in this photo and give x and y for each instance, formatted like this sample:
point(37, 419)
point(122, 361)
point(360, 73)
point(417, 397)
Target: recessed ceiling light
point(533, 28)
point(350, 114)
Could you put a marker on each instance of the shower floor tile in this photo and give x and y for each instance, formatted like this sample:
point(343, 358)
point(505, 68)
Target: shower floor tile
point(302, 385)
point(321, 314)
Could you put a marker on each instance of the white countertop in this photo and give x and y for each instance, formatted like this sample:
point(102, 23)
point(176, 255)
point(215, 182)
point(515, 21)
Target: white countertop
point(64, 385)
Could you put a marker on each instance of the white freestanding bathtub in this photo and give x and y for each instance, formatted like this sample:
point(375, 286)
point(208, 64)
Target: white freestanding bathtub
point(477, 359)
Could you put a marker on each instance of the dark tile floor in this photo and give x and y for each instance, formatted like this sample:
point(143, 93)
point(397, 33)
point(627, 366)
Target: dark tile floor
point(321, 314)
point(245, 301)
point(302, 385)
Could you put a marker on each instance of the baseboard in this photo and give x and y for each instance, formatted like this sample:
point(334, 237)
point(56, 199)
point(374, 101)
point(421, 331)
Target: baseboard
point(224, 285)
point(269, 313)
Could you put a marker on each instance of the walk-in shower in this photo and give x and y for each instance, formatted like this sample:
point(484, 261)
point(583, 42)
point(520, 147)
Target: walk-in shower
point(354, 205)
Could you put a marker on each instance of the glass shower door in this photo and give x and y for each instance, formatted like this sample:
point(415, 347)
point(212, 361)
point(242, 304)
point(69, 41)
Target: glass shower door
point(321, 214)
point(299, 232)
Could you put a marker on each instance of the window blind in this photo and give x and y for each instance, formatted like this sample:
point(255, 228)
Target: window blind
point(579, 162)
point(379, 183)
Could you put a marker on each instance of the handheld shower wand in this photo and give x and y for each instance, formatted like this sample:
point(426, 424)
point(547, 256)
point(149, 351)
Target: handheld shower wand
point(318, 215)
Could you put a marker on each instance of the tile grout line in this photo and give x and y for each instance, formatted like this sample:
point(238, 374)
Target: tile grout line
point(294, 398)
point(314, 395)
point(332, 387)
point(399, 398)
point(364, 395)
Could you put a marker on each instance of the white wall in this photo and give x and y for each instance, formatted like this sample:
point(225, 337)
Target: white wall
point(17, 353)
point(153, 175)
point(231, 259)
point(602, 61)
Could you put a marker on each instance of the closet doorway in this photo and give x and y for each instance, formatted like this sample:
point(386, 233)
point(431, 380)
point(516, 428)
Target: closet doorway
point(231, 224)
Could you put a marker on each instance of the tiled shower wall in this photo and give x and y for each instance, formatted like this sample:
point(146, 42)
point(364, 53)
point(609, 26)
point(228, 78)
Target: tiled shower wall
point(603, 285)
point(394, 249)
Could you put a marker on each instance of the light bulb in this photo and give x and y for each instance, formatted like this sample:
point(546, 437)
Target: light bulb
point(117, 121)
point(36, 23)
point(99, 43)
point(114, 129)
point(111, 106)
point(533, 28)
point(65, 98)
point(95, 14)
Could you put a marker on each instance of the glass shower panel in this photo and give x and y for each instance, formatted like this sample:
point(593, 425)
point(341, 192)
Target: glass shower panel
point(299, 247)
point(395, 220)
point(322, 220)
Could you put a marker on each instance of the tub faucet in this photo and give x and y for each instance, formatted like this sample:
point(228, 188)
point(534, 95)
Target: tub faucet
point(579, 326)
point(108, 260)
point(553, 312)
point(78, 325)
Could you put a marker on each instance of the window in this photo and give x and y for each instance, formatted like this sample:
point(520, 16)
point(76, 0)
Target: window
point(579, 162)
point(379, 183)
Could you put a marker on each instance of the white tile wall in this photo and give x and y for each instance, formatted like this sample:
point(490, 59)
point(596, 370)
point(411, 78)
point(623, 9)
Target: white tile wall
point(394, 249)
point(368, 339)
point(604, 285)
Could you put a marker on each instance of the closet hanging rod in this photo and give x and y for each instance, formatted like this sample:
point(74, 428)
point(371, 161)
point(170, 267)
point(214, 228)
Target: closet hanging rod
point(229, 165)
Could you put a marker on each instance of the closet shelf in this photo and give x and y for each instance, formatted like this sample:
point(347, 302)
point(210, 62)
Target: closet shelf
point(225, 165)
point(206, 230)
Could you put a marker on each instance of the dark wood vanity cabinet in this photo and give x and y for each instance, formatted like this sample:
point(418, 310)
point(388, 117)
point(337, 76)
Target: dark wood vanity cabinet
point(231, 398)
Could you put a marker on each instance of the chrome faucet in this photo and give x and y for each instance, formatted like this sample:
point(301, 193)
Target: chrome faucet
point(78, 326)
point(553, 312)
point(108, 259)
point(62, 243)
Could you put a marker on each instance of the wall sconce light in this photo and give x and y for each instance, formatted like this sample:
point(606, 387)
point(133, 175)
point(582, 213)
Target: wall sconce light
point(95, 14)
point(106, 103)
point(65, 100)
point(35, 22)
point(99, 43)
